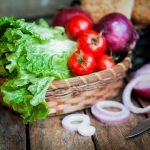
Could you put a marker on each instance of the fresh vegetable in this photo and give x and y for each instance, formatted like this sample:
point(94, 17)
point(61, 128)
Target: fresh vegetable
point(82, 63)
point(86, 130)
point(108, 116)
point(92, 41)
point(64, 15)
point(118, 31)
point(78, 24)
point(105, 62)
point(31, 57)
point(74, 121)
point(143, 88)
point(127, 94)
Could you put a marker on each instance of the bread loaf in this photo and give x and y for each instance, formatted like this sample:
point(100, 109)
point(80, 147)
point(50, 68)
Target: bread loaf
point(141, 12)
point(98, 8)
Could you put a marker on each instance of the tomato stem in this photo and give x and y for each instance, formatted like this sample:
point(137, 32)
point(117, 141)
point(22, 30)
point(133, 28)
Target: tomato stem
point(80, 59)
point(114, 57)
point(98, 36)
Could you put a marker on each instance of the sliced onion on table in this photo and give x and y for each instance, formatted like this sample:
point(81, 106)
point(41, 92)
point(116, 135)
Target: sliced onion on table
point(142, 89)
point(101, 105)
point(74, 121)
point(86, 130)
point(108, 116)
point(127, 94)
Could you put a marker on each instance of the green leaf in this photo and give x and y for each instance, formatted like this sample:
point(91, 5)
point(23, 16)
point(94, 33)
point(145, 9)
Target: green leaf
point(31, 56)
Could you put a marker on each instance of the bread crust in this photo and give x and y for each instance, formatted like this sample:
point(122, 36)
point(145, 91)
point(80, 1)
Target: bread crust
point(98, 8)
point(141, 12)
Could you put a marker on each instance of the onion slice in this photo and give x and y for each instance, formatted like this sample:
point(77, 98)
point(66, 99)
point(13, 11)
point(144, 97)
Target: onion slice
point(127, 95)
point(107, 116)
point(86, 130)
point(74, 121)
point(101, 105)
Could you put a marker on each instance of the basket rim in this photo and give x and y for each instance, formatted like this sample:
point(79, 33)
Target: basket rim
point(113, 72)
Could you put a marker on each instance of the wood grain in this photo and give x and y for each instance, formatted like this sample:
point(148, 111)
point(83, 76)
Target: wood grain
point(49, 135)
point(112, 137)
point(12, 131)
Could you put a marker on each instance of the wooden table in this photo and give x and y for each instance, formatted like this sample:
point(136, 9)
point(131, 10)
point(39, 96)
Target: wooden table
point(49, 135)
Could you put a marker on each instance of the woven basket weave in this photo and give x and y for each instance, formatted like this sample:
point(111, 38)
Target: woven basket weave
point(77, 93)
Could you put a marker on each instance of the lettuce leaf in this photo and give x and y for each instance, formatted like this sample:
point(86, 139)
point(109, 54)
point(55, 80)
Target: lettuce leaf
point(31, 57)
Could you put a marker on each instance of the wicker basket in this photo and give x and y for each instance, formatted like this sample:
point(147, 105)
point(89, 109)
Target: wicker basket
point(77, 93)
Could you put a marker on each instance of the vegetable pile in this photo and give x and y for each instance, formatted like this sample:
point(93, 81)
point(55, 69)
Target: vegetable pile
point(113, 35)
point(31, 57)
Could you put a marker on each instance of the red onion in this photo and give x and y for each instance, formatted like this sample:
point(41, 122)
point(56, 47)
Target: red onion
point(62, 17)
point(107, 116)
point(119, 32)
point(143, 88)
point(127, 94)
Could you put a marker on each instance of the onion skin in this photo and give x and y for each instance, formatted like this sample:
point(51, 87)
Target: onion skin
point(142, 89)
point(144, 93)
point(64, 15)
point(118, 31)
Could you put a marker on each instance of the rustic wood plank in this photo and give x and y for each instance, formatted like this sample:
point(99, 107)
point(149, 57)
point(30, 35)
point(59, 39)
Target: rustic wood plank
point(49, 135)
point(112, 137)
point(12, 131)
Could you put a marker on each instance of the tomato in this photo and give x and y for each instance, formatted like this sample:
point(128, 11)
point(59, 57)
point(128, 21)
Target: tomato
point(76, 25)
point(105, 62)
point(92, 41)
point(82, 63)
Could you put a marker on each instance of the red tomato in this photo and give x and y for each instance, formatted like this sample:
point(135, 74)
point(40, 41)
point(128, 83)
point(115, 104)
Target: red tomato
point(76, 25)
point(92, 41)
point(82, 63)
point(105, 62)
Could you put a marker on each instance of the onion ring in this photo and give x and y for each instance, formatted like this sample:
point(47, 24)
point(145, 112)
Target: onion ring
point(104, 104)
point(110, 119)
point(68, 121)
point(127, 95)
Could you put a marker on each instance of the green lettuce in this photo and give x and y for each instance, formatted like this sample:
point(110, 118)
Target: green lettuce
point(32, 55)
